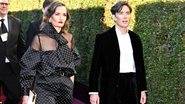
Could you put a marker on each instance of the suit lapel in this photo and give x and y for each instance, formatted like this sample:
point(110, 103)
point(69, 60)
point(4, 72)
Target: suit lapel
point(114, 39)
point(133, 42)
point(0, 31)
point(9, 28)
point(115, 51)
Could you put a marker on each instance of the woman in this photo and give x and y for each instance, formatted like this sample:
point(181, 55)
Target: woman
point(49, 64)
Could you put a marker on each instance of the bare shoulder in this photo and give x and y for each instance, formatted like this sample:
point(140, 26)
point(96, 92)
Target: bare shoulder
point(45, 43)
point(36, 43)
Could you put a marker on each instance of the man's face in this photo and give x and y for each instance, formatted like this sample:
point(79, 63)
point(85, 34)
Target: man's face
point(122, 18)
point(4, 7)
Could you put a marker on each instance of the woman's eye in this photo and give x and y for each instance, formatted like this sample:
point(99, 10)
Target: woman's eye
point(57, 14)
point(64, 14)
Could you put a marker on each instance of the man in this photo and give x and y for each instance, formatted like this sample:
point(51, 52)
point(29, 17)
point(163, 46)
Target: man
point(11, 49)
point(118, 57)
point(34, 27)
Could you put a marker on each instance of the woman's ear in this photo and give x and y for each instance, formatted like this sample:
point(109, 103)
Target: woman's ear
point(49, 20)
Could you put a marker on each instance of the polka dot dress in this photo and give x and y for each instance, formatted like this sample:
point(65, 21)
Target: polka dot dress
point(49, 71)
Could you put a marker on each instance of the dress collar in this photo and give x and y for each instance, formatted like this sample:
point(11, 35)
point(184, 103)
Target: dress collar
point(50, 31)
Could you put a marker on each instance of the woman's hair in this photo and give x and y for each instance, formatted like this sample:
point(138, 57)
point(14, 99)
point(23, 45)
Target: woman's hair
point(50, 11)
point(118, 7)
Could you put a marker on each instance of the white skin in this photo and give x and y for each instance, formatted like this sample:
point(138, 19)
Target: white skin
point(122, 20)
point(3, 8)
point(58, 20)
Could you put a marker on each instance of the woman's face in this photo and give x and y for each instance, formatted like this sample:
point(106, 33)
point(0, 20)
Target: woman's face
point(122, 18)
point(58, 19)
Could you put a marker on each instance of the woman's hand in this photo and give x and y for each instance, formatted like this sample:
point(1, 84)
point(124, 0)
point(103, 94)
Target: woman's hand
point(25, 100)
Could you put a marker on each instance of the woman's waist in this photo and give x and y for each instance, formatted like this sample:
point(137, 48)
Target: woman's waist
point(68, 72)
point(64, 72)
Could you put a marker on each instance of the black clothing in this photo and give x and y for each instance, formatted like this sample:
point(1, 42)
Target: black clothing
point(106, 65)
point(12, 49)
point(11, 88)
point(51, 70)
point(127, 89)
point(3, 27)
point(33, 29)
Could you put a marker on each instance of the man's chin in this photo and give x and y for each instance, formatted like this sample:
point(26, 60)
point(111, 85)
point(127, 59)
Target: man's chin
point(124, 26)
point(3, 13)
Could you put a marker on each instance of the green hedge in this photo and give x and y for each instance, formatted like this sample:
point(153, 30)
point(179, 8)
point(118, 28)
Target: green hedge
point(161, 27)
point(160, 24)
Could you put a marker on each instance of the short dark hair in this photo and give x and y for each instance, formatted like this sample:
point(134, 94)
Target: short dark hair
point(47, 3)
point(116, 8)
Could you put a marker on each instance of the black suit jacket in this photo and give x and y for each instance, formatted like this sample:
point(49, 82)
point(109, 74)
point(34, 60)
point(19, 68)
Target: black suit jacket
point(15, 45)
point(33, 29)
point(106, 60)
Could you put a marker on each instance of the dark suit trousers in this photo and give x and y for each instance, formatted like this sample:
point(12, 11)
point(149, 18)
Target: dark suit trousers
point(10, 84)
point(127, 89)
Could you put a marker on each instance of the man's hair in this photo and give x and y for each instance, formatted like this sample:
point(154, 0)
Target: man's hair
point(116, 8)
point(47, 3)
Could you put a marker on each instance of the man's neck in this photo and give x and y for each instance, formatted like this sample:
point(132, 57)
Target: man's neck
point(2, 16)
point(122, 30)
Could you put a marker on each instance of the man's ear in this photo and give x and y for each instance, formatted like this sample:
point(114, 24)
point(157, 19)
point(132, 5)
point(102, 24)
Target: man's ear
point(114, 17)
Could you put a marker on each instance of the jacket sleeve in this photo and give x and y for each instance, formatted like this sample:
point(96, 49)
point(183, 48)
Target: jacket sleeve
point(141, 75)
point(21, 43)
point(95, 66)
point(29, 64)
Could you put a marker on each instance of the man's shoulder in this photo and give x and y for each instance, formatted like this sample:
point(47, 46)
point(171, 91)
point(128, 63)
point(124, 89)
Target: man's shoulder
point(13, 18)
point(133, 33)
point(37, 21)
point(108, 31)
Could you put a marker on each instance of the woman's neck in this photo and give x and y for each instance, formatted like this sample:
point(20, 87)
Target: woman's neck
point(57, 29)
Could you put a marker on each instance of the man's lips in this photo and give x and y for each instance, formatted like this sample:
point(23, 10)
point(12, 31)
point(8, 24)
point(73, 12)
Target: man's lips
point(125, 21)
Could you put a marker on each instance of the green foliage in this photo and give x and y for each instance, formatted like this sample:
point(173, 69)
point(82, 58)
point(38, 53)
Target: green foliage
point(85, 29)
point(85, 24)
point(160, 24)
point(26, 10)
point(161, 27)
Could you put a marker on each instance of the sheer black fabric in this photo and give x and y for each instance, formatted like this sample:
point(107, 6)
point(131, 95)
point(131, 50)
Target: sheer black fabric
point(51, 69)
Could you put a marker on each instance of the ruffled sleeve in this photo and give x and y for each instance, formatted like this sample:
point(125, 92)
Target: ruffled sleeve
point(29, 64)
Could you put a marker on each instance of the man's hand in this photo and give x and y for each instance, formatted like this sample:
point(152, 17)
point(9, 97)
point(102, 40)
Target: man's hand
point(94, 99)
point(143, 97)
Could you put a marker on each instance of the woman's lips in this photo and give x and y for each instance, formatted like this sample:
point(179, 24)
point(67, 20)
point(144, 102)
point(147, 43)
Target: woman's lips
point(60, 22)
